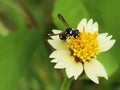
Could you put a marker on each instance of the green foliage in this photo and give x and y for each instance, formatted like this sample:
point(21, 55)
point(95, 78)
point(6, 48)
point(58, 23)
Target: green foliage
point(15, 58)
point(14, 14)
point(73, 12)
point(24, 51)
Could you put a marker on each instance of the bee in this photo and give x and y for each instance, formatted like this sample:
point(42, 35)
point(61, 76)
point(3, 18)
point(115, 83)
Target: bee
point(68, 32)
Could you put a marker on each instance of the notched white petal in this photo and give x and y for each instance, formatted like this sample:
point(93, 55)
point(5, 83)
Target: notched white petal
point(90, 22)
point(61, 58)
point(60, 65)
point(105, 42)
point(68, 69)
point(55, 54)
point(89, 27)
point(59, 53)
point(95, 27)
point(92, 27)
point(74, 69)
point(82, 24)
point(109, 37)
point(57, 44)
point(68, 72)
point(89, 70)
point(78, 70)
point(99, 69)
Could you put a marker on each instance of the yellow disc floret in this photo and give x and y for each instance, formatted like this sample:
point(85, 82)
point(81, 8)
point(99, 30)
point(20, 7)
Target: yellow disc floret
point(84, 47)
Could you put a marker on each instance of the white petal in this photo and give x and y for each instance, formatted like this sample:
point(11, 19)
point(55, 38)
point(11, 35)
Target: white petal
point(105, 42)
point(55, 37)
point(57, 44)
point(59, 53)
point(82, 24)
point(74, 69)
point(99, 69)
point(89, 70)
point(62, 59)
point(109, 37)
point(56, 31)
point(89, 27)
point(63, 62)
point(56, 54)
point(90, 22)
point(95, 27)
point(54, 60)
point(60, 65)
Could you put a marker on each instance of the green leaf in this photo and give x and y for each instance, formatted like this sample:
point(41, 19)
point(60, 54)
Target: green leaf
point(16, 51)
point(109, 62)
point(14, 14)
point(72, 11)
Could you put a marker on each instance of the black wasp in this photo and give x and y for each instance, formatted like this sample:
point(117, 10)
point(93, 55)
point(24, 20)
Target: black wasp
point(68, 32)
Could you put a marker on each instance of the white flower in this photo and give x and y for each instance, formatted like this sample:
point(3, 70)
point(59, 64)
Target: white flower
point(76, 55)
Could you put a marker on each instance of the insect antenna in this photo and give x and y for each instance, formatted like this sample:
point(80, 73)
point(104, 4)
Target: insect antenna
point(66, 33)
point(54, 34)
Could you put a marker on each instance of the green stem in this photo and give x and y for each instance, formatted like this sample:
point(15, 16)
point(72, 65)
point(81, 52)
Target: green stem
point(66, 84)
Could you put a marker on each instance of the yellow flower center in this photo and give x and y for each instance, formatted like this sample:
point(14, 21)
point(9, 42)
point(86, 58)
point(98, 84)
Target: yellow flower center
point(84, 47)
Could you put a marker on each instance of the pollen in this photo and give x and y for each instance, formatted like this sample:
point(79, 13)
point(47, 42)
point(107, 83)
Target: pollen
point(84, 47)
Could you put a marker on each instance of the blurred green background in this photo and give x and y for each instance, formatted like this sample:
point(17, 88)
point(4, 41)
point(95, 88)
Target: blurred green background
point(24, 51)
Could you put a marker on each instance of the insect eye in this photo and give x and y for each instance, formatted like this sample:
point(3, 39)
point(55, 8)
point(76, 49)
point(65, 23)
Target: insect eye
point(69, 31)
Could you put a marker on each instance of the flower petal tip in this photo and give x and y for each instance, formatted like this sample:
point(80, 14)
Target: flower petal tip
point(113, 41)
point(69, 76)
point(90, 21)
point(97, 82)
point(84, 20)
point(106, 77)
point(53, 61)
point(59, 66)
point(105, 42)
point(75, 77)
